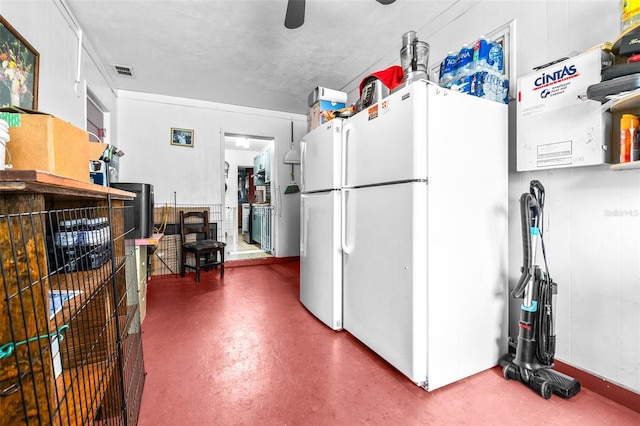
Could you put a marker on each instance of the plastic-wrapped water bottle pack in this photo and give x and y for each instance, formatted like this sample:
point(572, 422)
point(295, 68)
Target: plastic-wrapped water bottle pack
point(478, 70)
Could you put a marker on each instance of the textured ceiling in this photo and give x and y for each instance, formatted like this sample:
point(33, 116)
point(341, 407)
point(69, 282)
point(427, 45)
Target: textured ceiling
point(239, 52)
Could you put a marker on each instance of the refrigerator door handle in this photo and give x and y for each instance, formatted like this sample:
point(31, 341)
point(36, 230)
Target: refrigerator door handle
point(303, 228)
point(346, 249)
point(303, 154)
point(346, 132)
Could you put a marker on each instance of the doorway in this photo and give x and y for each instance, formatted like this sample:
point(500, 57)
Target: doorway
point(248, 205)
point(95, 121)
point(98, 118)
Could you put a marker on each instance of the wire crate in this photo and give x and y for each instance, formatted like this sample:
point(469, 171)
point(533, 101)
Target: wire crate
point(70, 334)
point(165, 259)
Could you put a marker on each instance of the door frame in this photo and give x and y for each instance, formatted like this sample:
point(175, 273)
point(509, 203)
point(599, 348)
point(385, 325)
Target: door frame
point(254, 137)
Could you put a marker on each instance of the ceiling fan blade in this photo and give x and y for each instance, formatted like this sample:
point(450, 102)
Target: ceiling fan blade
point(385, 1)
point(295, 14)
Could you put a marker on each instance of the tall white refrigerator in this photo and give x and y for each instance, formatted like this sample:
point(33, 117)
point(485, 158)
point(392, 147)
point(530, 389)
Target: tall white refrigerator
point(424, 232)
point(320, 223)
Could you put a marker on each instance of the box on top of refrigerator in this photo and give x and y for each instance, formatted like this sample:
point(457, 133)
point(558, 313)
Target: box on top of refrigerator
point(321, 112)
point(557, 125)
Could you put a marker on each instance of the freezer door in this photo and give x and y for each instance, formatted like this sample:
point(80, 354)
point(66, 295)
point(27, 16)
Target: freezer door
point(320, 157)
point(321, 257)
point(388, 141)
point(385, 266)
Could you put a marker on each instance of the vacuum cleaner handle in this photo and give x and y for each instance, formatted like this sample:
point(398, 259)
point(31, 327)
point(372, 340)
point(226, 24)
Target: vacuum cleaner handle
point(525, 219)
point(537, 192)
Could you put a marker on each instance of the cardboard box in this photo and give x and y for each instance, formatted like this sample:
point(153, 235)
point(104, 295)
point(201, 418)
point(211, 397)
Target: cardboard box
point(96, 149)
point(558, 125)
point(43, 142)
point(317, 114)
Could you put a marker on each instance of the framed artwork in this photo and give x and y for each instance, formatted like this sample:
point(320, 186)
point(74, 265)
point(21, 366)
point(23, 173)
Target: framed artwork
point(19, 69)
point(181, 137)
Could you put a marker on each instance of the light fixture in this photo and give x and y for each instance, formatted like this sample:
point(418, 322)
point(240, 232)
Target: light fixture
point(243, 142)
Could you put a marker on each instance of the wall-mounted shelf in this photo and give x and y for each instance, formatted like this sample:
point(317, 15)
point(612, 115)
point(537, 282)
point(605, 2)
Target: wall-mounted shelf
point(626, 102)
point(35, 181)
point(626, 166)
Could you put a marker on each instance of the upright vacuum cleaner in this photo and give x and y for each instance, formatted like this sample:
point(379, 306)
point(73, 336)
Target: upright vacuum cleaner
point(535, 349)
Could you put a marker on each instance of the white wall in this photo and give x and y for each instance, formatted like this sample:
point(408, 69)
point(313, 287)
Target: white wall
point(593, 213)
point(196, 174)
point(594, 255)
point(50, 30)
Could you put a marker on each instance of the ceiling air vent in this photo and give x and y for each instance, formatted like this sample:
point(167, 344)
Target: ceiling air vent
point(123, 70)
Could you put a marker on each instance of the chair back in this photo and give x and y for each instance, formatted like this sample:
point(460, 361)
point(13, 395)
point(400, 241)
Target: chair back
point(194, 226)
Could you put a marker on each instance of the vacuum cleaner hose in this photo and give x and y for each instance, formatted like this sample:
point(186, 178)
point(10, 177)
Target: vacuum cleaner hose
point(546, 347)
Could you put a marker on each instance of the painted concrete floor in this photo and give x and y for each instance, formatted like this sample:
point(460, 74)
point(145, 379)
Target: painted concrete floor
point(242, 350)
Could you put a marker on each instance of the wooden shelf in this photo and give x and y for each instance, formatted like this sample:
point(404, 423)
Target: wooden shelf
point(154, 240)
point(48, 183)
point(626, 166)
point(87, 281)
point(626, 102)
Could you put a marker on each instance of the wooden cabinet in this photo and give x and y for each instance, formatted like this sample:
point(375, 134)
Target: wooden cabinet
point(70, 337)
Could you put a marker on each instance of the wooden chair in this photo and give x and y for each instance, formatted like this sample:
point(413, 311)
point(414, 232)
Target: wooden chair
point(198, 240)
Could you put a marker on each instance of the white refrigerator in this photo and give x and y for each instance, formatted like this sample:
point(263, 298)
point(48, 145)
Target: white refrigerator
point(320, 223)
point(424, 232)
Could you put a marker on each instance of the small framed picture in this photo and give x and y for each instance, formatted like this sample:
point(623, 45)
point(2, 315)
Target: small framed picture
point(181, 137)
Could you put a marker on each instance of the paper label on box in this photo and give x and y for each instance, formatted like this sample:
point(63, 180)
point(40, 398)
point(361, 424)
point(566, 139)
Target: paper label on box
point(554, 154)
point(559, 86)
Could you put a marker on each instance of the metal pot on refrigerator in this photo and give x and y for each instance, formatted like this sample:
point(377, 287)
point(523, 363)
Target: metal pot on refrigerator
point(373, 89)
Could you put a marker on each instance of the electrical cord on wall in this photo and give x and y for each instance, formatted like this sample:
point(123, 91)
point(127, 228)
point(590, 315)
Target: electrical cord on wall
point(95, 136)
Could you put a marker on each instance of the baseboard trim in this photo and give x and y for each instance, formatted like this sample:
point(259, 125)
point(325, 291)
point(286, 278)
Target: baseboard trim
point(260, 261)
point(601, 386)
